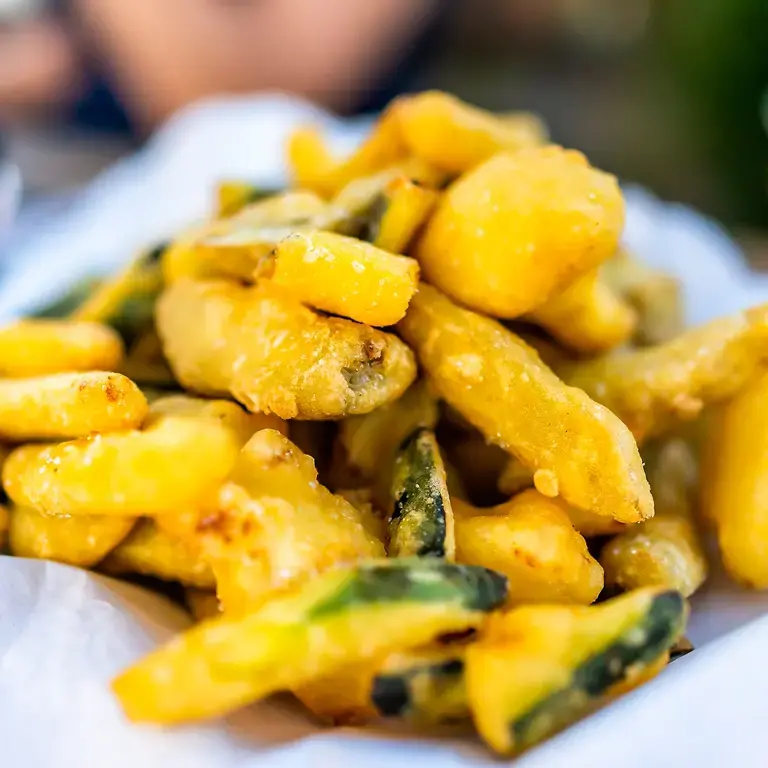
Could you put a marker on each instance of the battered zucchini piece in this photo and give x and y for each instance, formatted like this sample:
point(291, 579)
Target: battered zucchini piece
point(145, 363)
point(656, 296)
point(81, 540)
point(243, 424)
point(537, 669)
point(39, 347)
point(667, 550)
point(588, 316)
point(577, 448)
point(172, 464)
point(339, 619)
point(151, 551)
point(371, 442)
point(424, 685)
point(68, 405)
point(276, 356)
point(515, 232)
point(126, 301)
point(532, 541)
point(733, 493)
point(343, 275)
point(651, 390)
point(273, 525)
point(386, 209)
point(421, 523)
point(233, 196)
point(456, 137)
point(232, 247)
point(310, 161)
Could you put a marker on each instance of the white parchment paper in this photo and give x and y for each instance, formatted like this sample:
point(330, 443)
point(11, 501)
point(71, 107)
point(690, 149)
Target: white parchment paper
point(64, 632)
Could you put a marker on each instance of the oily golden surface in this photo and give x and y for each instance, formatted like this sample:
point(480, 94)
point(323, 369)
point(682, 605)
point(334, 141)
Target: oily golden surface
point(232, 247)
point(82, 540)
point(344, 276)
point(651, 390)
point(370, 442)
point(522, 675)
point(69, 405)
point(734, 483)
point(588, 316)
point(243, 424)
point(656, 296)
point(456, 137)
point(272, 525)
point(512, 234)
point(151, 551)
point(666, 551)
point(172, 463)
point(530, 540)
point(40, 347)
point(577, 448)
point(224, 663)
point(276, 356)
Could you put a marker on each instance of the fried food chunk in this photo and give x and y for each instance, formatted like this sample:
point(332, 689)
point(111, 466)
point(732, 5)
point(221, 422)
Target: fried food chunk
point(273, 525)
point(40, 347)
point(538, 668)
point(276, 356)
point(651, 390)
point(173, 463)
point(530, 540)
point(69, 405)
point(577, 448)
point(81, 540)
point(421, 522)
point(588, 316)
point(151, 551)
point(734, 473)
point(344, 617)
point(666, 551)
point(656, 296)
point(455, 136)
point(519, 229)
point(343, 275)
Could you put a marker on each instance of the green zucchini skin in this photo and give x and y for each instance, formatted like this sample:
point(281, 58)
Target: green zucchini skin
point(641, 644)
point(421, 523)
point(403, 581)
point(426, 690)
point(68, 303)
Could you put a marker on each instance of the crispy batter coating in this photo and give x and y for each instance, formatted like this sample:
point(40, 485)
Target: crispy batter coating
point(588, 316)
point(40, 347)
point(171, 464)
point(516, 231)
point(577, 448)
point(344, 276)
point(69, 405)
point(152, 551)
point(532, 541)
point(276, 356)
point(734, 483)
point(82, 540)
point(651, 390)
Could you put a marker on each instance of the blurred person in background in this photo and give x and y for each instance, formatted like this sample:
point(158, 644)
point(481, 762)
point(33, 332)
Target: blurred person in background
point(117, 65)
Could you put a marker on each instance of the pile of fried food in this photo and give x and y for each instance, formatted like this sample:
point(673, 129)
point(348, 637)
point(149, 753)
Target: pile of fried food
point(410, 522)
